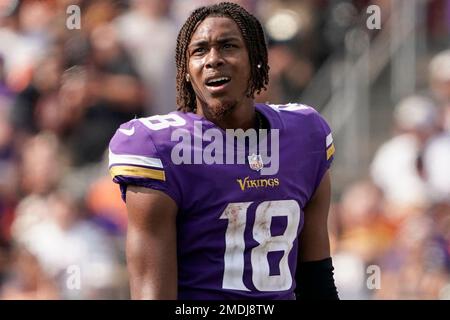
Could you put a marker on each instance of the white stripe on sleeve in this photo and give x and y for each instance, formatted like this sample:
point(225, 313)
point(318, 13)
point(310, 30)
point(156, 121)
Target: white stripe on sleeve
point(329, 140)
point(115, 159)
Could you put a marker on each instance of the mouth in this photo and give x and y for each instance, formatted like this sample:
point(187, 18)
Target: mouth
point(217, 84)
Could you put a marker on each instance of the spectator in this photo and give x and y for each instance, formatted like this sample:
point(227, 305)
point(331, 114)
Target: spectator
point(27, 279)
point(363, 234)
point(64, 239)
point(146, 26)
point(395, 167)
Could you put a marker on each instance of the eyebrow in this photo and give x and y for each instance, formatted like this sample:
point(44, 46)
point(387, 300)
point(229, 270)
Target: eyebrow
point(221, 40)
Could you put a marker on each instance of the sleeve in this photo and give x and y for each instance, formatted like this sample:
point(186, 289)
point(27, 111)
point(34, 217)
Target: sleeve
point(326, 145)
point(134, 160)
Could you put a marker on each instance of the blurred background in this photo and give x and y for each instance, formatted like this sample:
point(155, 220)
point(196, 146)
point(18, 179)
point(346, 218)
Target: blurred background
point(385, 92)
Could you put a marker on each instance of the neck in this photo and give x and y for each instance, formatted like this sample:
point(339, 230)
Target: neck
point(241, 116)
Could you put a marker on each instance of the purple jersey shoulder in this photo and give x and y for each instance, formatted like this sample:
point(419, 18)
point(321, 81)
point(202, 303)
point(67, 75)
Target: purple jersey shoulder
point(299, 117)
point(138, 153)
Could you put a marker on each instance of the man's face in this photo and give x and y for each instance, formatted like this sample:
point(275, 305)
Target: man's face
point(218, 65)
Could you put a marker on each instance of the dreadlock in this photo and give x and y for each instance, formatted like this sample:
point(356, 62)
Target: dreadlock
point(252, 34)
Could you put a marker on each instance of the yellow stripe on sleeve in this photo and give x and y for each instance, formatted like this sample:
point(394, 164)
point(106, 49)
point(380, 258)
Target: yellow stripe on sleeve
point(330, 151)
point(137, 172)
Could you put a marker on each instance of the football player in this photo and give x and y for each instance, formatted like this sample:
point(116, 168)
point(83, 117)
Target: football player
point(203, 225)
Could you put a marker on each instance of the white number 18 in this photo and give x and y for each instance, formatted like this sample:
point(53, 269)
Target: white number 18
point(236, 213)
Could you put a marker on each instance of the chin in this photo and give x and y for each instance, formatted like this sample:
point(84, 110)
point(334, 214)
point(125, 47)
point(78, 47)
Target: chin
point(217, 110)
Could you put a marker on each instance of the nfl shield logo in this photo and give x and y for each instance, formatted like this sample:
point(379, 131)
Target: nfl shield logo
point(255, 161)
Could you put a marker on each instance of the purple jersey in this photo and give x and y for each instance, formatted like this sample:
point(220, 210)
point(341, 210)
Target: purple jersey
point(237, 229)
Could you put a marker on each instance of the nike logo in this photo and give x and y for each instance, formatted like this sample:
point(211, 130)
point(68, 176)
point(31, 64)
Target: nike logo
point(128, 132)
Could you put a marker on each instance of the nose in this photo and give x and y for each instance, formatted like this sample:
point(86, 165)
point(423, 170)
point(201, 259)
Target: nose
point(214, 59)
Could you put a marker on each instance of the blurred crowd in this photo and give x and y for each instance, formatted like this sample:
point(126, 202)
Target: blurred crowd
point(64, 92)
point(398, 219)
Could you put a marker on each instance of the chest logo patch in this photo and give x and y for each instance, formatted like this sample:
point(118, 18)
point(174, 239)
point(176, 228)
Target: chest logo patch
point(255, 162)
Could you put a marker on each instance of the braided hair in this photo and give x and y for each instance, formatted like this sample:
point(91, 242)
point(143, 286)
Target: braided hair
point(252, 34)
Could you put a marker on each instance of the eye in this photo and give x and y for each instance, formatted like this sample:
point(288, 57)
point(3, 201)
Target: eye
point(228, 46)
point(198, 51)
